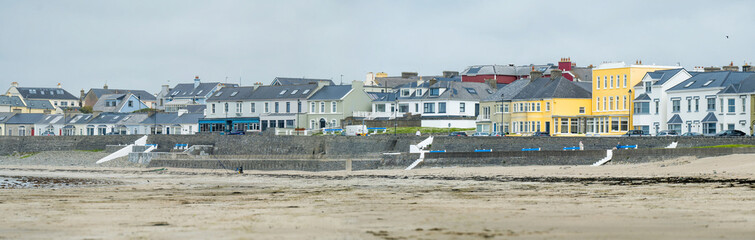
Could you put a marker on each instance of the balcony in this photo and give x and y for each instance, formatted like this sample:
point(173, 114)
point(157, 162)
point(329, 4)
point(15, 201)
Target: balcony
point(373, 115)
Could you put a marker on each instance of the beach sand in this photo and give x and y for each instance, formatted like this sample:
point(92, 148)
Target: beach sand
point(685, 198)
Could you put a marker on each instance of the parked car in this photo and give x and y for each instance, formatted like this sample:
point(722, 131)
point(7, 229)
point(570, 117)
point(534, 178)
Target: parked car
point(236, 132)
point(692, 134)
point(47, 133)
point(732, 133)
point(635, 133)
point(481, 134)
point(541, 134)
point(458, 134)
point(667, 133)
point(497, 134)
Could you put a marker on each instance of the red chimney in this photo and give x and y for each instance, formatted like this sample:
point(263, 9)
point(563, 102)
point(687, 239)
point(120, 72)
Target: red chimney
point(565, 64)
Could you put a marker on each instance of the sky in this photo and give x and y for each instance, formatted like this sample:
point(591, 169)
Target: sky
point(137, 44)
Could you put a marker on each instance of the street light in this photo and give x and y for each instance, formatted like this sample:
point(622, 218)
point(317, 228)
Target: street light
point(395, 117)
point(500, 127)
point(629, 118)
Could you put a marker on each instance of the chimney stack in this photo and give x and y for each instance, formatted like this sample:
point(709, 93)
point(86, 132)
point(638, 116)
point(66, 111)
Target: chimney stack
point(408, 74)
point(432, 81)
point(712, 69)
point(14, 84)
point(565, 64)
point(59, 86)
point(450, 74)
point(82, 94)
point(196, 81)
point(731, 67)
point(555, 74)
point(535, 74)
point(492, 83)
point(104, 87)
point(746, 68)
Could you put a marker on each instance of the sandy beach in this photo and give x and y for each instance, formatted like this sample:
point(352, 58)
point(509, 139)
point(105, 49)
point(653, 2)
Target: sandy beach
point(685, 198)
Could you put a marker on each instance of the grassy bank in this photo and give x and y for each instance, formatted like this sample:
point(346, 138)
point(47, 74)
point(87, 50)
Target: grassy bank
point(728, 146)
point(426, 130)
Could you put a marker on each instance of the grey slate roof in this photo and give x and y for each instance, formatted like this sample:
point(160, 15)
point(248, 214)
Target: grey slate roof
point(227, 94)
point(509, 91)
point(45, 93)
point(196, 108)
point(274, 92)
point(187, 90)
point(745, 86)
point(585, 85)
point(13, 101)
point(394, 82)
point(710, 118)
point(101, 104)
point(162, 118)
point(5, 116)
point(676, 119)
point(582, 73)
point(507, 70)
point(720, 79)
point(133, 119)
point(39, 104)
point(643, 97)
point(663, 76)
point(140, 94)
point(52, 119)
point(80, 118)
point(25, 118)
point(188, 118)
point(298, 81)
point(456, 91)
point(544, 88)
point(334, 92)
point(108, 118)
point(382, 97)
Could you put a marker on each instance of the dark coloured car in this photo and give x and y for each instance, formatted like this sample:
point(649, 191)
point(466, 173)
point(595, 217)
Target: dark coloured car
point(236, 132)
point(731, 133)
point(541, 134)
point(635, 133)
point(497, 134)
point(458, 134)
point(667, 133)
point(692, 134)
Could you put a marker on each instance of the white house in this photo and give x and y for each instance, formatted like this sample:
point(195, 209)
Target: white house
point(651, 101)
point(694, 105)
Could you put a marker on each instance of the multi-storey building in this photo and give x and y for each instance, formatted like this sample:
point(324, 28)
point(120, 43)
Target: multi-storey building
point(650, 101)
point(612, 95)
point(332, 104)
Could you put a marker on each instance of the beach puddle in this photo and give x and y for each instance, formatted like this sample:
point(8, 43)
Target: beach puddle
point(46, 182)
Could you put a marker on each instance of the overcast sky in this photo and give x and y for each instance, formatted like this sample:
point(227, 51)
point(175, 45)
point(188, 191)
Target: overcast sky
point(144, 44)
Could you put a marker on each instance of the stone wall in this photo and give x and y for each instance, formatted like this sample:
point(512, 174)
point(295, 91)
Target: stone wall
point(468, 144)
point(10, 144)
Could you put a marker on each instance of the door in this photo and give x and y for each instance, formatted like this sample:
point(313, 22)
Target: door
point(322, 123)
point(548, 127)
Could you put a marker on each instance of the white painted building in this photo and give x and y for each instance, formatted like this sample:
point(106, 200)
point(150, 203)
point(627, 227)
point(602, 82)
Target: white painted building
point(651, 101)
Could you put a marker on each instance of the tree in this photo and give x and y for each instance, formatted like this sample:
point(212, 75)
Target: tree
point(85, 109)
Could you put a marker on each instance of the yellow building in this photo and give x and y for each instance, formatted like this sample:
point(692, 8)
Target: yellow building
point(612, 96)
point(551, 104)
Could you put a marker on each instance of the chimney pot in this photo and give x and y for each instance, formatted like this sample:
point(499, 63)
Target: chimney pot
point(556, 73)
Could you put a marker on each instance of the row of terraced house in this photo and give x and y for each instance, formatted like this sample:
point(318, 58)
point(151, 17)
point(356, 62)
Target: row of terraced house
point(561, 99)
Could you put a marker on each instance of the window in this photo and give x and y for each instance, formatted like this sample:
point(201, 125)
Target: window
point(611, 81)
point(547, 106)
point(597, 104)
point(505, 108)
point(434, 92)
point(625, 103)
point(617, 97)
point(298, 107)
point(441, 107)
point(217, 94)
point(642, 108)
point(610, 103)
point(657, 107)
point(675, 105)
point(709, 128)
point(233, 94)
point(625, 80)
point(471, 91)
point(605, 103)
point(537, 105)
point(294, 92)
point(689, 105)
point(254, 107)
point(277, 104)
point(708, 82)
point(605, 83)
point(697, 104)
point(581, 109)
point(130, 103)
point(648, 87)
point(711, 104)
point(689, 84)
point(419, 92)
point(744, 105)
point(282, 92)
point(380, 107)
point(322, 107)
point(289, 123)
point(732, 105)
point(405, 92)
point(213, 108)
point(333, 123)
point(597, 86)
point(334, 107)
point(312, 107)
point(267, 107)
point(305, 91)
point(402, 108)
point(462, 107)
point(288, 107)
point(722, 104)
point(429, 108)
point(226, 107)
point(238, 107)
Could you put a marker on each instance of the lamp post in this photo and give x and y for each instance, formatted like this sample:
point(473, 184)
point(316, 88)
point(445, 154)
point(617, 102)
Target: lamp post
point(500, 127)
point(395, 117)
point(629, 115)
point(298, 111)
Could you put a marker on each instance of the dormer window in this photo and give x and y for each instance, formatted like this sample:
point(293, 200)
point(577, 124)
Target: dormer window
point(419, 92)
point(648, 87)
point(434, 92)
point(405, 92)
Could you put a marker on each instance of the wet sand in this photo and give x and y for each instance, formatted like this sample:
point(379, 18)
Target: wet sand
point(699, 199)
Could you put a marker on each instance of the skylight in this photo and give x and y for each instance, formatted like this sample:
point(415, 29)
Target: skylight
point(33, 91)
point(2, 118)
point(116, 117)
point(200, 92)
point(282, 92)
point(218, 94)
point(294, 91)
point(708, 82)
point(689, 84)
point(234, 94)
point(305, 91)
point(471, 90)
point(490, 91)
